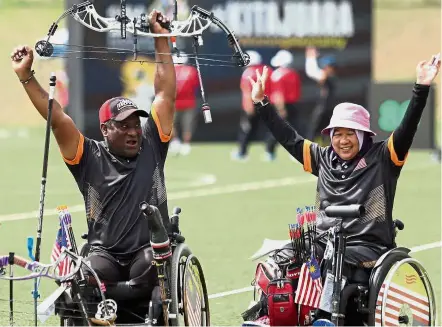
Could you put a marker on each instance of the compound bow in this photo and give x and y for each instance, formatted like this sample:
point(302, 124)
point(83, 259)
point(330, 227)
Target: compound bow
point(198, 21)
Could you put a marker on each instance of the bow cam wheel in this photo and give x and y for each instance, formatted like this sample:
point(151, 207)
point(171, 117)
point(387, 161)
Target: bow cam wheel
point(44, 48)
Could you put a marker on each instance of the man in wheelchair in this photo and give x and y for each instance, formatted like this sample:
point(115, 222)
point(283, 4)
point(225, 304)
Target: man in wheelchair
point(354, 169)
point(117, 174)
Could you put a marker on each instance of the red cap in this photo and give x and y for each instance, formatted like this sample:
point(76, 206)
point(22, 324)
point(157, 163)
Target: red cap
point(119, 109)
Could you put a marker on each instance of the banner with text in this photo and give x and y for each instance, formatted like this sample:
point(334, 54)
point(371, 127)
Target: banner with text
point(342, 28)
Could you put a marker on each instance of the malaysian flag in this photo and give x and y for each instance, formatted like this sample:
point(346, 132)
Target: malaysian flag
point(62, 240)
point(309, 287)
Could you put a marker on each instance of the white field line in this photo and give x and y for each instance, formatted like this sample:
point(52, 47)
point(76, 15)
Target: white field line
point(414, 249)
point(226, 189)
point(201, 192)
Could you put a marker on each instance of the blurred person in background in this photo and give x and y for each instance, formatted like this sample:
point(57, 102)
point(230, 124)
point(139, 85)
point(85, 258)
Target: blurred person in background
point(249, 120)
point(284, 93)
point(186, 113)
point(62, 88)
point(325, 75)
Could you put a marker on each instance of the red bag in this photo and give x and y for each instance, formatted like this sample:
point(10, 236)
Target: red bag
point(280, 301)
point(293, 272)
point(266, 271)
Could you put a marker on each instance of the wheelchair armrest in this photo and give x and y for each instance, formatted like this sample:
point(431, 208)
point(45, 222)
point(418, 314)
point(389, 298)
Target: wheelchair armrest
point(177, 237)
point(398, 224)
point(405, 251)
point(175, 220)
point(345, 211)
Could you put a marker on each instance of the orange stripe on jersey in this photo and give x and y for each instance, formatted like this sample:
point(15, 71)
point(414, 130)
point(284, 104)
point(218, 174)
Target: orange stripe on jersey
point(164, 138)
point(306, 156)
point(79, 154)
point(393, 154)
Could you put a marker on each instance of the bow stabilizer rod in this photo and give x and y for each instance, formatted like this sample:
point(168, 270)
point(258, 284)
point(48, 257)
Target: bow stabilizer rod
point(197, 41)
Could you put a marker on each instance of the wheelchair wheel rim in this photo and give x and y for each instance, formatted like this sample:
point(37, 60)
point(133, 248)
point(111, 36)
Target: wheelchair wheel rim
point(194, 299)
point(406, 297)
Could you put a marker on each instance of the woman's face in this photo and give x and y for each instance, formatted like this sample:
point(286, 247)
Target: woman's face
point(345, 143)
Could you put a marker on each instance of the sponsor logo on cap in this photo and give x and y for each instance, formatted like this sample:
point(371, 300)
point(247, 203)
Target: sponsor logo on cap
point(125, 103)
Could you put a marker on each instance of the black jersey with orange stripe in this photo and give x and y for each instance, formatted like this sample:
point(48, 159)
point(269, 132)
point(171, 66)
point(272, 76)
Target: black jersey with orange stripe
point(113, 187)
point(369, 179)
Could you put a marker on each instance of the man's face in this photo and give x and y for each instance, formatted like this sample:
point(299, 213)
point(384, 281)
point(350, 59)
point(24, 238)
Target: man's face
point(123, 137)
point(345, 143)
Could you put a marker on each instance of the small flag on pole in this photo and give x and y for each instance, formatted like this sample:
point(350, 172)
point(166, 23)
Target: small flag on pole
point(62, 240)
point(309, 287)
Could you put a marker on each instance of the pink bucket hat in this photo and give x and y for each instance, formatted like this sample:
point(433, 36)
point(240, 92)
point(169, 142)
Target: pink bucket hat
point(350, 115)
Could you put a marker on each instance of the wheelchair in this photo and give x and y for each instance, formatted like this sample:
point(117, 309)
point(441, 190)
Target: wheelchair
point(395, 290)
point(181, 299)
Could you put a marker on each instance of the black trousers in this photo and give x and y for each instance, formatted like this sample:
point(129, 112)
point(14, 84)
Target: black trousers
point(356, 257)
point(248, 127)
point(320, 118)
point(128, 277)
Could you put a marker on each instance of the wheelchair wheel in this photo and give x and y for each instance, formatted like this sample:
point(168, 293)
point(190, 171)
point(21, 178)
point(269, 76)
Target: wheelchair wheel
point(401, 294)
point(195, 298)
point(179, 258)
point(187, 282)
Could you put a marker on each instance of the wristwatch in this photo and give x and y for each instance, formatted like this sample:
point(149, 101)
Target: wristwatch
point(263, 102)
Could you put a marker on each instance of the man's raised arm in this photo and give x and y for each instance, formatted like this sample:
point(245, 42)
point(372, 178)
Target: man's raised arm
point(165, 78)
point(63, 127)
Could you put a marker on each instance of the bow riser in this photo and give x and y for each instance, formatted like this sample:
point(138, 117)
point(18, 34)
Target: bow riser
point(86, 15)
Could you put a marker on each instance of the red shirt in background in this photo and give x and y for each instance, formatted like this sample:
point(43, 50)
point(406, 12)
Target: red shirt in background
point(246, 86)
point(62, 89)
point(187, 82)
point(287, 82)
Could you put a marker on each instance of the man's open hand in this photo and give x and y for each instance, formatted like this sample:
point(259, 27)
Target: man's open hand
point(311, 52)
point(426, 71)
point(258, 86)
point(154, 18)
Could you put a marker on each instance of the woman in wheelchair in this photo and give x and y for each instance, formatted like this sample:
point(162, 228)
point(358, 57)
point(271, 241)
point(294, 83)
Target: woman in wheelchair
point(354, 169)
